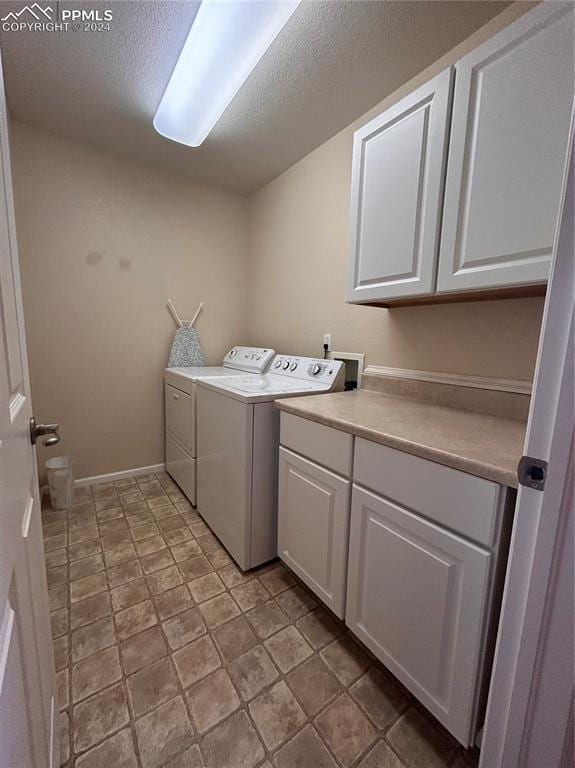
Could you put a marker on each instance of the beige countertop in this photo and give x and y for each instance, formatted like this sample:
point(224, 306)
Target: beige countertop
point(480, 444)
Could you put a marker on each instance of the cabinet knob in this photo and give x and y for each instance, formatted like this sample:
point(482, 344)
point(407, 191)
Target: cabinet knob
point(176, 397)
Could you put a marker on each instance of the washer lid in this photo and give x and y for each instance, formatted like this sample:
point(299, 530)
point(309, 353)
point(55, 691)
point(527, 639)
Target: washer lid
point(253, 389)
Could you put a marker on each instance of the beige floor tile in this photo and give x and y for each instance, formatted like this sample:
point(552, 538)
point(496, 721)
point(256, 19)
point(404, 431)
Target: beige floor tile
point(205, 587)
point(277, 580)
point(233, 743)
point(122, 574)
point(64, 734)
point(120, 554)
point(164, 513)
point(106, 515)
point(152, 685)
point(155, 502)
point(115, 752)
point(253, 672)
point(138, 514)
point(149, 545)
point(381, 756)
point(195, 567)
point(164, 733)
point(161, 581)
point(145, 531)
point(85, 549)
point(156, 561)
point(296, 602)
point(87, 587)
point(249, 595)
point(56, 557)
point(314, 685)
point(55, 542)
point(178, 536)
point(132, 498)
point(234, 638)
point(95, 672)
point(86, 567)
point(80, 535)
point(288, 648)
point(191, 758)
point(346, 730)
point(380, 697)
point(173, 601)
point(219, 559)
point(129, 594)
point(346, 659)
point(112, 528)
point(106, 502)
point(117, 539)
point(232, 576)
point(319, 628)
point(419, 743)
point(135, 619)
point(58, 597)
point(183, 628)
point(306, 750)
point(93, 638)
point(199, 528)
point(97, 717)
point(211, 700)
point(63, 688)
point(267, 618)
point(61, 652)
point(185, 549)
point(59, 622)
point(277, 715)
point(218, 610)
point(57, 576)
point(142, 649)
point(196, 660)
point(90, 610)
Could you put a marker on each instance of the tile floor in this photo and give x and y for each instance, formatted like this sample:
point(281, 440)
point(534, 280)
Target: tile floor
point(168, 656)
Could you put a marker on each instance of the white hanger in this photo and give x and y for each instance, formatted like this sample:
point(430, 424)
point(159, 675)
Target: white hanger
point(178, 320)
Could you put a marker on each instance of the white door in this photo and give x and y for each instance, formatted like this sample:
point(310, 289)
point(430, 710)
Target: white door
point(313, 521)
point(417, 596)
point(28, 705)
point(529, 720)
point(397, 196)
point(511, 111)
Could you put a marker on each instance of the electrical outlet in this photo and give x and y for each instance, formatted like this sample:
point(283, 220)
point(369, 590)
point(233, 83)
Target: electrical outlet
point(327, 340)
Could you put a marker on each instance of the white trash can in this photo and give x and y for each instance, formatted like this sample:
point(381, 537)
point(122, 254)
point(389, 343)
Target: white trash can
point(60, 471)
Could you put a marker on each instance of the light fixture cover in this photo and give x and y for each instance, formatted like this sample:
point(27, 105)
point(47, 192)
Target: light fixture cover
point(225, 42)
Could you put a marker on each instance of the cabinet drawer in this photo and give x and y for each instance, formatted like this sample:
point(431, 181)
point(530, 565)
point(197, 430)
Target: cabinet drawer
point(417, 597)
point(182, 468)
point(313, 519)
point(330, 447)
point(467, 504)
point(180, 416)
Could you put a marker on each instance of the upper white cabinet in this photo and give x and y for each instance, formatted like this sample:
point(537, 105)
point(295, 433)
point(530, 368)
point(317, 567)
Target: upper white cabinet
point(397, 193)
point(492, 226)
point(511, 112)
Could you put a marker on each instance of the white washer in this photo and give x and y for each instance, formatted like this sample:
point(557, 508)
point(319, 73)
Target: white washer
point(180, 405)
point(238, 436)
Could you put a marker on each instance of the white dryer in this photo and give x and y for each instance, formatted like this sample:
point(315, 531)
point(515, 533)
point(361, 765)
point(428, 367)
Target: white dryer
point(238, 438)
point(180, 409)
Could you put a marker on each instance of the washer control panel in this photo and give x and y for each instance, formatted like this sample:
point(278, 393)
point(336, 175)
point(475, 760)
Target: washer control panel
point(252, 359)
point(306, 368)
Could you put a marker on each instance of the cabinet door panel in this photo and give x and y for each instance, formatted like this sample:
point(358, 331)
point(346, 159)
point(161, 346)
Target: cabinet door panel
point(511, 113)
point(313, 518)
point(179, 416)
point(417, 598)
point(397, 187)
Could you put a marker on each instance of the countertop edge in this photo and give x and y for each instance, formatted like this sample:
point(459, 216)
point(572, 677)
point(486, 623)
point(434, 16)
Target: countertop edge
point(478, 469)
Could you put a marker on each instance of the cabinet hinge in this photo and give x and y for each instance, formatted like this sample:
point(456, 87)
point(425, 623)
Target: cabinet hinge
point(532, 472)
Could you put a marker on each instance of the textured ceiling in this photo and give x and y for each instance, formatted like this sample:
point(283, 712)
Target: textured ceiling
point(332, 62)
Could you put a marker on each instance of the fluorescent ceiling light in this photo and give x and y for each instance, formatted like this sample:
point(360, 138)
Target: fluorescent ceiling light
point(226, 41)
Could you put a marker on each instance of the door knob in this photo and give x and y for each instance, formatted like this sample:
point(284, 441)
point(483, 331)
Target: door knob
point(38, 430)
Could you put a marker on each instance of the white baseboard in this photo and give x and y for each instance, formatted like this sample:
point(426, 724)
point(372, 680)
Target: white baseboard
point(457, 379)
point(111, 476)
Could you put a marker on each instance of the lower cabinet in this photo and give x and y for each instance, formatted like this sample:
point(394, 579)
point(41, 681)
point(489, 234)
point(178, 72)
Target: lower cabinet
point(313, 518)
point(417, 597)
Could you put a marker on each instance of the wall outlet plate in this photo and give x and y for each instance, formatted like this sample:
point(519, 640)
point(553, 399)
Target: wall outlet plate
point(327, 340)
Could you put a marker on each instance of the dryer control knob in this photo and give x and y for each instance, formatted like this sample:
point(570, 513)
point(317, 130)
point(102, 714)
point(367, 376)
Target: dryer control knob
point(285, 366)
point(277, 363)
point(293, 366)
point(316, 370)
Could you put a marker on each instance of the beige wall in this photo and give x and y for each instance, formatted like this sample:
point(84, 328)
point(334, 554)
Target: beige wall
point(103, 243)
point(298, 261)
